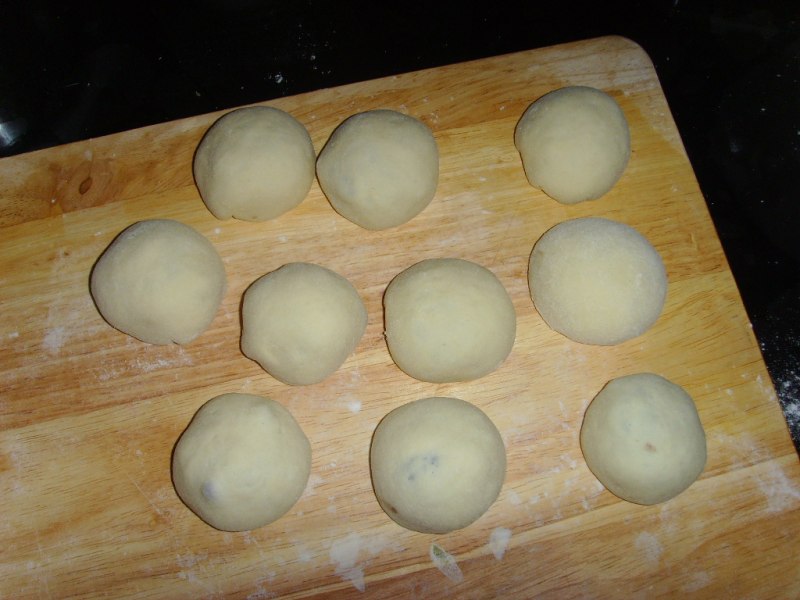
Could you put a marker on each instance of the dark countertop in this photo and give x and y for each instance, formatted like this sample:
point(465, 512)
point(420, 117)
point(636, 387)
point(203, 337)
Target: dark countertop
point(730, 72)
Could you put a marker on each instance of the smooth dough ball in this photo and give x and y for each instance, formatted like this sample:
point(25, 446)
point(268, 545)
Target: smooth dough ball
point(159, 281)
point(642, 438)
point(437, 464)
point(597, 281)
point(448, 320)
point(301, 322)
point(574, 143)
point(254, 164)
point(379, 168)
point(242, 462)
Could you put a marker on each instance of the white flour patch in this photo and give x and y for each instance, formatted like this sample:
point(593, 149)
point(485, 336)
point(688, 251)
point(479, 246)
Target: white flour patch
point(766, 388)
point(792, 412)
point(697, 582)
point(789, 394)
point(189, 559)
point(781, 494)
point(13, 335)
point(650, 547)
point(54, 339)
point(742, 449)
point(187, 562)
point(67, 317)
point(569, 461)
point(262, 592)
point(178, 357)
point(304, 555)
point(446, 563)
point(514, 498)
point(345, 553)
point(313, 481)
point(498, 541)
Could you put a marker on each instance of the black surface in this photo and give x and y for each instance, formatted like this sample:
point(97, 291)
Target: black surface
point(730, 71)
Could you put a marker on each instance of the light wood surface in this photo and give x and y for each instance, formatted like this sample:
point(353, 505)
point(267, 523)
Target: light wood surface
point(90, 416)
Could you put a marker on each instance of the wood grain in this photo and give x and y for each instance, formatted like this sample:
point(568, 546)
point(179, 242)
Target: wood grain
point(90, 416)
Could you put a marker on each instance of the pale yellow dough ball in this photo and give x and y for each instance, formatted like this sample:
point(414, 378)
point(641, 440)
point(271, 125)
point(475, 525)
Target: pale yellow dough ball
point(380, 168)
point(159, 281)
point(597, 281)
point(574, 143)
point(254, 164)
point(437, 464)
point(447, 320)
point(301, 322)
point(643, 439)
point(242, 462)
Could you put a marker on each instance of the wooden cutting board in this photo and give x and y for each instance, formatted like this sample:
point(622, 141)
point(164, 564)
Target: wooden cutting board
point(90, 416)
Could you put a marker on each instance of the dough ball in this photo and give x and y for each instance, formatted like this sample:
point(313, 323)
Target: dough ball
point(242, 462)
point(379, 168)
point(159, 281)
point(574, 143)
point(642, 438)
point(597, 281)
point(437, 464)
point(254, 164)
point(448, 320)
point(301, 322)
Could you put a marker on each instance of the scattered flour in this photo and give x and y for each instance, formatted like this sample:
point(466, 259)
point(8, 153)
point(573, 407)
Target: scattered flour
point(514, 498)
point(446, 563)
point(650, 547)
point(789, 395)
point(344, 556)
point(781, 494)
point(313, 481)
point(54, 339)
point(176, 356)
point(697, 582)
point(345, 552)
point(498, 541)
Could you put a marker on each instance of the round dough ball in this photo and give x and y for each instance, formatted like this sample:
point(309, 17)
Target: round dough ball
point(597, 281)
point(159, 281)
point(301, 322)
point(448, 320)
point(642, 438)
point(437, 464)
point(242, 463)
point(379, 168)
point(254, 164)
point(574, 143)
